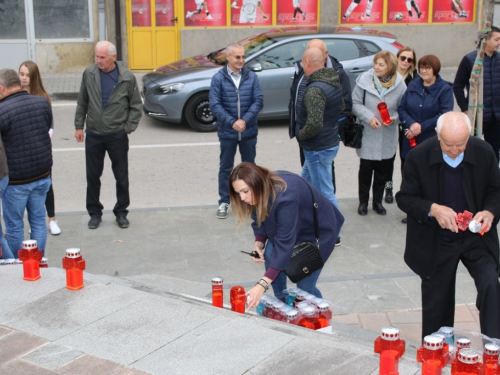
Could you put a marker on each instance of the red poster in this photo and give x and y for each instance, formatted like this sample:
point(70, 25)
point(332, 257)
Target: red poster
point(165, 13)
point(251, 12)
point(414, 11)
point(293, 12)
point(453, 11)
point(362, 11)
point(205, 13)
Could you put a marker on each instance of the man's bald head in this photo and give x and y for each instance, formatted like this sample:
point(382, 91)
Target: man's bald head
point(312, 60)
point(453, 130)
point(318, 43)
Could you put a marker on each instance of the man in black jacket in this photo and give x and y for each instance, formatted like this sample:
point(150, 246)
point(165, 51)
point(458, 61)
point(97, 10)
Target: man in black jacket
point(25, 121)
point(299, 87)
point(442, 177)
point(491, 87)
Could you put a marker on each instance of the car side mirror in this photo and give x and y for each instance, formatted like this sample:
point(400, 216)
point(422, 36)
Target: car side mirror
point(255, 66)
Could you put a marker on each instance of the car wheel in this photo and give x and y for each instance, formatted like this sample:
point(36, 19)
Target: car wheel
point(198, 114)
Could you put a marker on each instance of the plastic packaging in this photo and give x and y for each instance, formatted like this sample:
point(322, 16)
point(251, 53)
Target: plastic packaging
point(238, 299)
point(74, 265)
point(432, 356)
point(384, 113)
point(467, 364)
point(31, 257)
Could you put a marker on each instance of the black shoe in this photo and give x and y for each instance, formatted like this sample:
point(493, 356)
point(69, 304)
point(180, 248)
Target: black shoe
point(379, 209)
point(410, 13)
point(94, 222)
point(363, 209)
point(122, 221)
point(389, 198)
point(405, 220)
point(338, 242)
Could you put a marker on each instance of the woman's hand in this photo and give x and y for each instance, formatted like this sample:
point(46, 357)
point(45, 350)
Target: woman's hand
point(416, 128)
point(409, 134)
point(389, 124)
point(259, 248)
point(254, 295)
point(375, 123)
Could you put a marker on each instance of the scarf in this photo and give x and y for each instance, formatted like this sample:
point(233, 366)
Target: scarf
point(383, 84)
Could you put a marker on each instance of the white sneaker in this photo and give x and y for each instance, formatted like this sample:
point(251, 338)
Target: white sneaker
point(189, 14)
point(209, 17)
point(222, 211)
point(54, 228)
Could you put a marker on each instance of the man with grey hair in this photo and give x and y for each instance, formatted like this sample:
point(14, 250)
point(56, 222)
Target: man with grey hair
point(25, 121)
point(109, 104)
point(443, 177)
point(235, 100)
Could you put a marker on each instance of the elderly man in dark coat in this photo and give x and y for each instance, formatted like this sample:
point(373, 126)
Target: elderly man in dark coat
point(444, 176)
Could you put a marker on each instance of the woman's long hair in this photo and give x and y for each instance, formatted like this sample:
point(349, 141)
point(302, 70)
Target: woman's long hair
point(36, 84)
point(263, 184)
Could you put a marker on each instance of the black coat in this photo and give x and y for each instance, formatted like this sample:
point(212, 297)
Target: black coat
point(423, 185)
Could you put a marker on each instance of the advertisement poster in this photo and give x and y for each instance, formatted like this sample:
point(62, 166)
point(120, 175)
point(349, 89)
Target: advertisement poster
point(361, 11)
point(414, 11)
point(453, 11)
point(293, 12)
point(251, 12)
point(205, 13)
point(164, 12)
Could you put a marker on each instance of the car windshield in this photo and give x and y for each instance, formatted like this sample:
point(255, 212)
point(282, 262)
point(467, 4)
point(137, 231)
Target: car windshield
point(252, 45)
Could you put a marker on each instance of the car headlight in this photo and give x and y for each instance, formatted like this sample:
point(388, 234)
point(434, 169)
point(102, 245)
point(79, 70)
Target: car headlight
point(171, 88)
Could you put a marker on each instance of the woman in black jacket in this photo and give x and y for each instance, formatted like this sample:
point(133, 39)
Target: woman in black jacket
point(407, 60)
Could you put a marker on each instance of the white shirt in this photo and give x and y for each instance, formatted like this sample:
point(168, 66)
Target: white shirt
point(236, 77)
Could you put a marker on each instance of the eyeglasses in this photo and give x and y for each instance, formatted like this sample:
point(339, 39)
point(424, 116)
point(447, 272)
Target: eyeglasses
point(240, 57)
point(425, 68)
point(404, 58)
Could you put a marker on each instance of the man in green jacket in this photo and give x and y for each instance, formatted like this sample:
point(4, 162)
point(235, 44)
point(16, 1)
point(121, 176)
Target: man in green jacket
point(110, 105)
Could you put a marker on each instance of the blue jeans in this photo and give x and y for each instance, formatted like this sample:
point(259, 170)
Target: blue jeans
point(279, 284)
point(30, 197)
point(226, 164)
point(6, 252)
point(317, 171)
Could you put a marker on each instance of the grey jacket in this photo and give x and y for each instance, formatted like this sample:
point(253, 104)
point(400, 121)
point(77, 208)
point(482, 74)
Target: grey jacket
point(123, 110)
point(381, 143)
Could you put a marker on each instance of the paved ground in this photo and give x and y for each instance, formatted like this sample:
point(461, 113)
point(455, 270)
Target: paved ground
point(178, 249)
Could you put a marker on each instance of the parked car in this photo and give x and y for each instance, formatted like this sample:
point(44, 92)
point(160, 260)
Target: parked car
point(179, 91)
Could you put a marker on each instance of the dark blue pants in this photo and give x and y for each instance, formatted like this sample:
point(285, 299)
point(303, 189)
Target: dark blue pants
point(96, 146)
point(226, 164)
point(491, 131)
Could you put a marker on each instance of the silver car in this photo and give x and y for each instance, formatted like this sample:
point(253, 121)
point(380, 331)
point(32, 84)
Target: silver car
point(179, 91)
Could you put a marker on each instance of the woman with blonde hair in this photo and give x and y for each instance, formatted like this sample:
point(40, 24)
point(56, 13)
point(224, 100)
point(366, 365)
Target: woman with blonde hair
point(281, 206)
point(381, 84)
point(31, 81)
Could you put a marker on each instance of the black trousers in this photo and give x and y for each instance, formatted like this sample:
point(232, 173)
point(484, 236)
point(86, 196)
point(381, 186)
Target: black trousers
point(96, 146)
point(438, 292)
point(380, 171)
point(303, 159)
point(491, 131)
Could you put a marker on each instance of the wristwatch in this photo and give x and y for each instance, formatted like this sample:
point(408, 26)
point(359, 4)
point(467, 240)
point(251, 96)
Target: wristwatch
point(263, 284)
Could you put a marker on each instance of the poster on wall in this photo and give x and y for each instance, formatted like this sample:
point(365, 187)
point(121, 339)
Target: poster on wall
point(165, 12)
point(453, 11)
point(414, 11)
point(251, 12)
point(361, 11)
point(293, 12)
point(205, 13)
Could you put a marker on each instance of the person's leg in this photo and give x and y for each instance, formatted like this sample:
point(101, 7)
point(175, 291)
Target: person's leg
point(279, 284)
point(382, 169)
point(248, 150)
point(295, 13)
point(309, 284)
point(364, 180)
point(438, 292)
point(14, 203)
point(319, 166)
point(302, 157)
point(369, 5)
point(226, 164)
point(6, 252)
point(389, 198)
point(491, 131)
point(94, 158)
point(36, 211)
point(351, 7)
point(333, 177)
point(117, 147)
point(483, 269)
point(50, 203)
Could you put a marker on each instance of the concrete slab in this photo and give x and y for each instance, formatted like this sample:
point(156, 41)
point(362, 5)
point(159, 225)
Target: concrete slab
point(52, 356)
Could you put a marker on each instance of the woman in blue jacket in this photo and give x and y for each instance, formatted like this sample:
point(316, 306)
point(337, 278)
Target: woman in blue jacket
point(281, 206)
point(425, 99)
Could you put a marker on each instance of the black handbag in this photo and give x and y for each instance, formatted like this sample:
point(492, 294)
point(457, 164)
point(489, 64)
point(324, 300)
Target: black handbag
point(305, 255)
point(353, 131)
